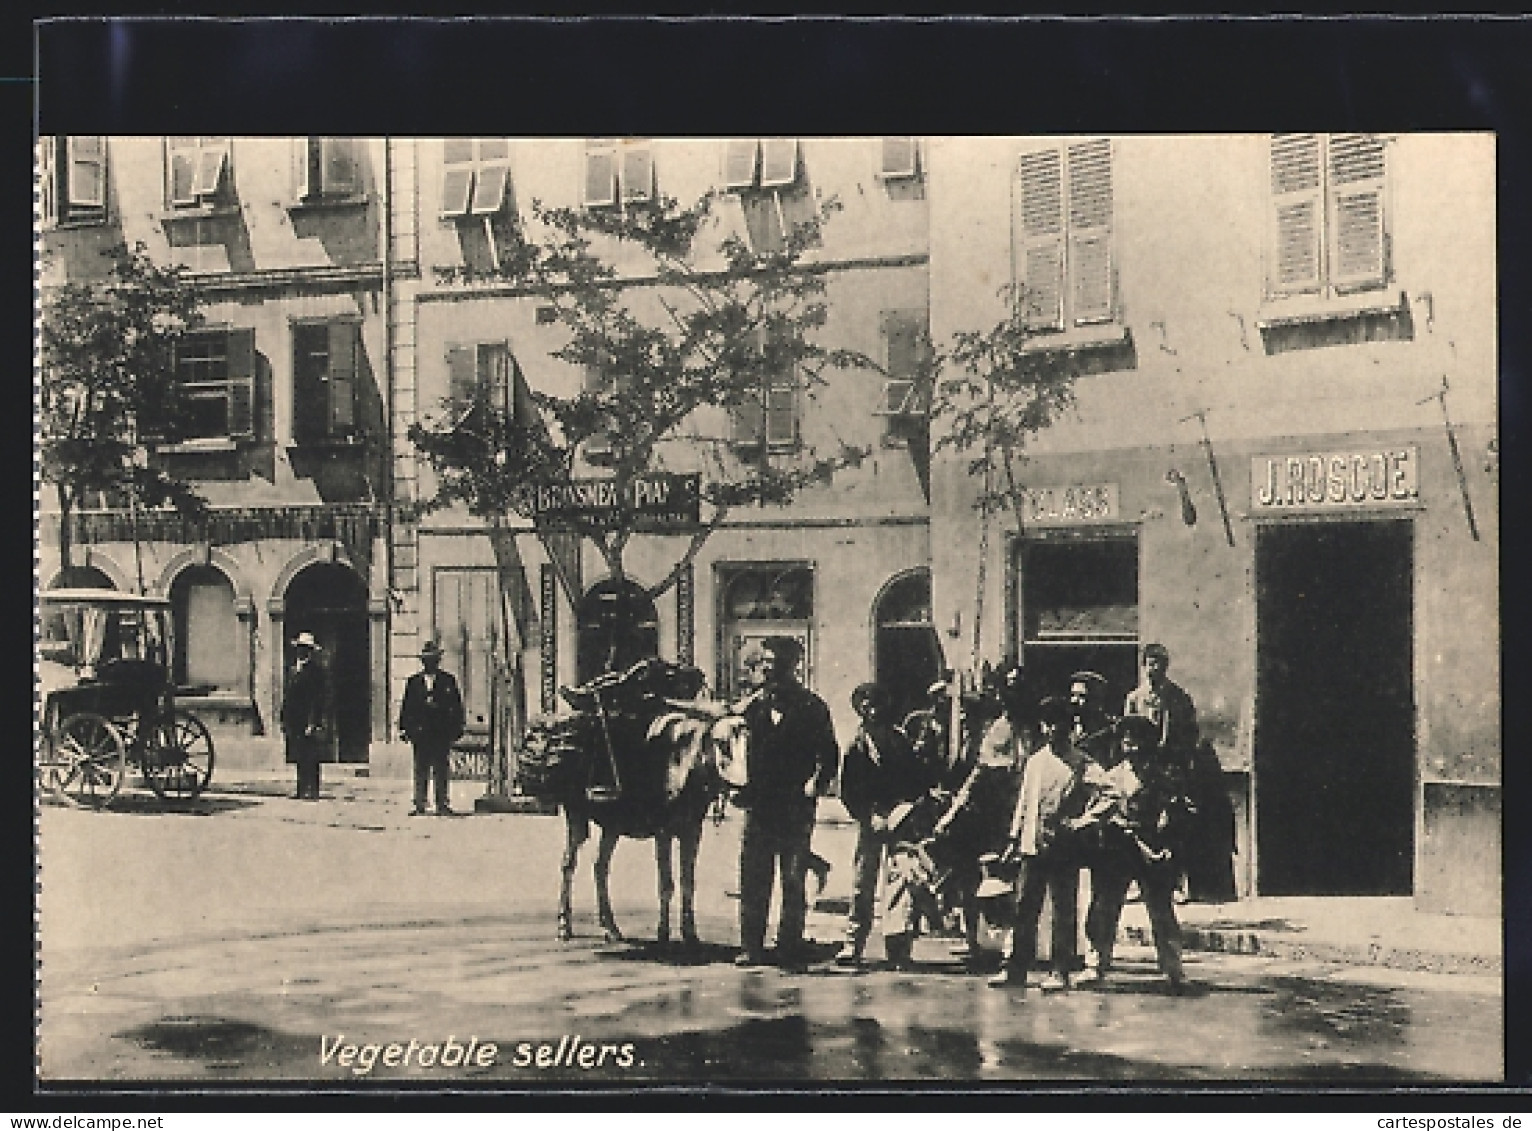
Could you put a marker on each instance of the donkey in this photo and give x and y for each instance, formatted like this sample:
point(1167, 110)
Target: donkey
point(643, 759)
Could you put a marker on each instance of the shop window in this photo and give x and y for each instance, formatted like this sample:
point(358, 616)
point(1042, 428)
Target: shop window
point(326, 169)
point(207, 647)
point(198, 173)
point(1065, 260)
point(1079, 610)
point(1329, 231)
point(216, 374)
point(326, 357)
point(618, 172)
point(768, 177)
point(756, 602)
point(73, 180)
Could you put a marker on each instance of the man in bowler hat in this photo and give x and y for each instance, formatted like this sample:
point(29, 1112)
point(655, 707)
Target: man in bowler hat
point(304, 706)
point(431, 719)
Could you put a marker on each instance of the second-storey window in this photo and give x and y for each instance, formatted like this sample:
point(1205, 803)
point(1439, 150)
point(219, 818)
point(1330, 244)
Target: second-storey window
point(325, 168)
point(325, 364)
point(1328, 222)
point(476, 176)
point(216, 373)
point(1064, 255)
point(73, 179)
point(197, 171)
point(618, 171)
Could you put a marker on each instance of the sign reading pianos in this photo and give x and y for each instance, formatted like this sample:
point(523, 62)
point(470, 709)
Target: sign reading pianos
point(1335, 480)
point(660, 503)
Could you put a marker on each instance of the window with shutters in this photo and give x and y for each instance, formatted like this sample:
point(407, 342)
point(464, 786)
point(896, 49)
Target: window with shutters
point(326, 380)
point(905, 395)
point(1064, 255)
point(476, 177)
point(72, 180)
point(1329, 231)
point(480, 374)
point(198, 175)
point(899, 158)
point(618, 173)
point(767, 176)
point(326, 170)
point(216, 374)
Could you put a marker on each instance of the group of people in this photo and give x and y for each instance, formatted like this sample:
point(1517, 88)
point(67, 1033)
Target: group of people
point(1020, 805)
point(431, 719)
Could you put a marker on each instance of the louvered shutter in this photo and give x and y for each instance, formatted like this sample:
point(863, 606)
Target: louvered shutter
point(240, 344)
point(600, 176)
point(1297, 217)
point(748, 420)
point(903, 338)
point(181, 169)
point(489, 189)
point(779, 161)
point(462, 376)
point(1090, 232)
point(337, 162)
point(781, 415)
point(47, 173)
point(87, 172)
point(495, 364)
point(1356, 168)
point(457, 176)
point(212, 160)
point(739, 161)
point(637, 174)
point(303, 161)
point(899, 157)
point(344, 343)
point(1040, 224)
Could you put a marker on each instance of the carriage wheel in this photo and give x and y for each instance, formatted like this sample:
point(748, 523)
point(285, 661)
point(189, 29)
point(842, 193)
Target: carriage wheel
point(179, 760)
point(89, 762)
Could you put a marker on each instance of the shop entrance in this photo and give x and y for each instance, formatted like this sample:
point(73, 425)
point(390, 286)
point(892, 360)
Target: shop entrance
point(330, 600)
point(1335, 732)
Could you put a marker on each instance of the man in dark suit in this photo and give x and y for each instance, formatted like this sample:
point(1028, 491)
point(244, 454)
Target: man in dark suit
point(431, 718)
point(791, 764)
point(304, 706)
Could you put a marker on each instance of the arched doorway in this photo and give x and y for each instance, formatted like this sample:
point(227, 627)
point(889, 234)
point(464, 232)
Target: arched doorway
point(618, 626)
point(330, 600)
point(907, 654)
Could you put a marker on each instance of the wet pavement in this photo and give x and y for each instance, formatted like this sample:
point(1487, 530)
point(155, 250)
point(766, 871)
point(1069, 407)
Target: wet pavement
point(254, 938)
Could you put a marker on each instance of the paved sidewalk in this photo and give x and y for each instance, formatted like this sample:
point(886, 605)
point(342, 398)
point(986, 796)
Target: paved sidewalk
point(1368, 931)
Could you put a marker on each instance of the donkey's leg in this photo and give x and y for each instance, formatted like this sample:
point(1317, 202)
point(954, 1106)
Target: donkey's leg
point(576, 830)
point(662, 862)
point(690, 836)
point(603, 897)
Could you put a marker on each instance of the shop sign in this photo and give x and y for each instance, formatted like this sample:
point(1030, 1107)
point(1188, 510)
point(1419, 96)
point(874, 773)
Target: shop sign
point(1335, 480)
point(651, 504)
point(1064, 506)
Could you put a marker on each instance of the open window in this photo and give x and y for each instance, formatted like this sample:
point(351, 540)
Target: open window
point(326, 380)
point(73, 179)
point(197, 173)
point(768, 177)
point(905, 395)
point(326, 169)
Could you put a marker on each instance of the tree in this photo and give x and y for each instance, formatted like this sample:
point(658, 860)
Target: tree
point(664, 329)
point(108, 384)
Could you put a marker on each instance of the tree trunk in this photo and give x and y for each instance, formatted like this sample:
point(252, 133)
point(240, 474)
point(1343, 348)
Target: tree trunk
point(66, 537)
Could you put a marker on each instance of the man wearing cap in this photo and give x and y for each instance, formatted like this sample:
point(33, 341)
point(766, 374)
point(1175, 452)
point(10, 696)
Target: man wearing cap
point(1163, 702)
point(431, 718)
point(304, 707)
point(791, 763)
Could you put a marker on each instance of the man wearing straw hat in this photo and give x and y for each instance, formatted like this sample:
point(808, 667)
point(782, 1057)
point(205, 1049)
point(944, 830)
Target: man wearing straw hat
point(431, 719)
point(303, 713)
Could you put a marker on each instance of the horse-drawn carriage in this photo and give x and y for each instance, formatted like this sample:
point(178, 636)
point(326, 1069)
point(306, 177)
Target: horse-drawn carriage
point(108, 700)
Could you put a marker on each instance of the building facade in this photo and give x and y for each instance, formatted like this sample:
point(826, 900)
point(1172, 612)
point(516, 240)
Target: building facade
point(1281, 465)
point(1281, 462)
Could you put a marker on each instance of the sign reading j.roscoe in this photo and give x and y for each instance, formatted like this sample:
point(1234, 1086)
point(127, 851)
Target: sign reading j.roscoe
point(1335, 480)
point(654, 504)
point(1062, 506)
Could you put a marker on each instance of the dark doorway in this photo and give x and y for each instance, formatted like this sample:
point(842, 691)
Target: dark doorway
point(907, 654)
point(1335, 731)
point(619, 626)
point(330, 601)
